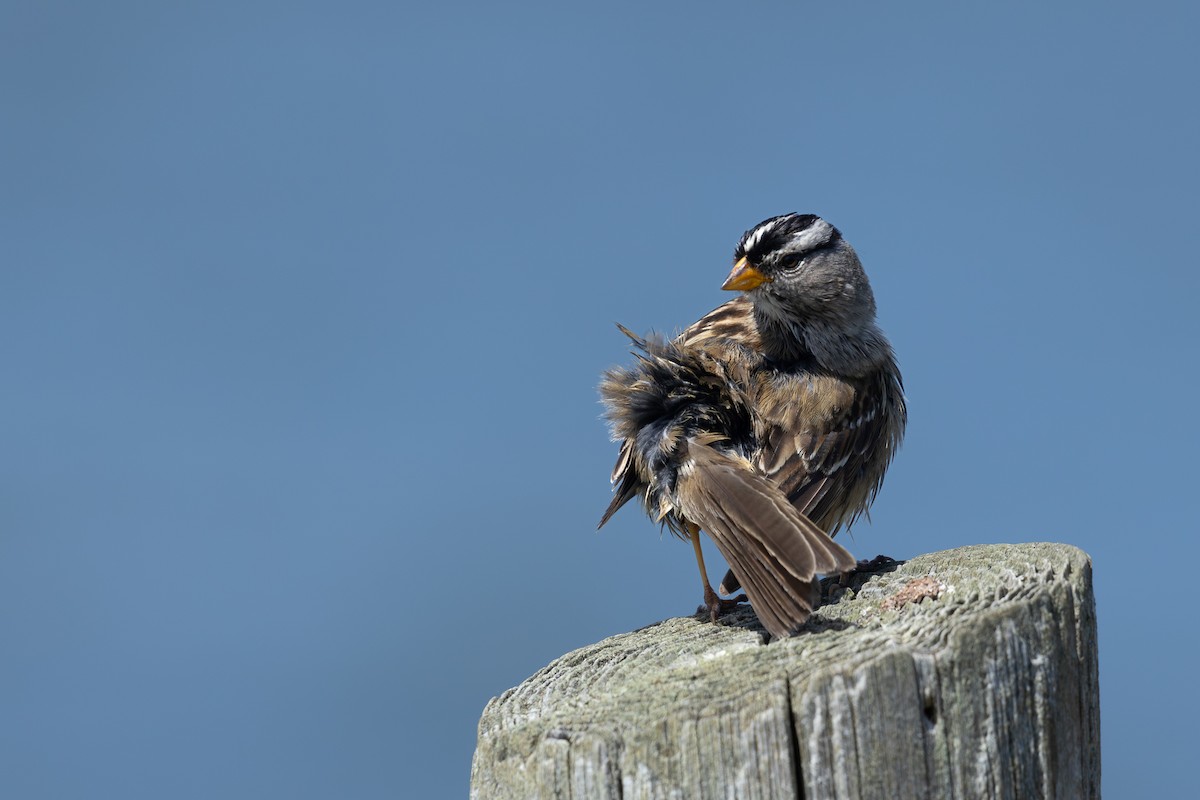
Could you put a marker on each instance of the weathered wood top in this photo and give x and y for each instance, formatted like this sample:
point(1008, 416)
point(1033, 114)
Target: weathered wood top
point(967, 673)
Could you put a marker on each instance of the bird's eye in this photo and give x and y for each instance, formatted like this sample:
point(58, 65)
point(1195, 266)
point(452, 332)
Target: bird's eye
point(790, 262)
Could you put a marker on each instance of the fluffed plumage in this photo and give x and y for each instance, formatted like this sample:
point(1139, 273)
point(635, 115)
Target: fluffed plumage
point(770, 422)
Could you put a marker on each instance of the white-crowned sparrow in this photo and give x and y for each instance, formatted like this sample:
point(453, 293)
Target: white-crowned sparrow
point(769, 423)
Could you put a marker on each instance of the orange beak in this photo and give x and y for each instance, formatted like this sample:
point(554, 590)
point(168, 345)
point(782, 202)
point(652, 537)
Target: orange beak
point(744, 277)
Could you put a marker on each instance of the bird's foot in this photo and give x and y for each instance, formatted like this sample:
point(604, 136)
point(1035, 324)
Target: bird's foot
point(873, 565)
point(716, 605)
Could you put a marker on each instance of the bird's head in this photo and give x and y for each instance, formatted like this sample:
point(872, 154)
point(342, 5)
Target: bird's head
point(798, 268)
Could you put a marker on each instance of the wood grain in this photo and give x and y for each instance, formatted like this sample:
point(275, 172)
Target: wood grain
point(978, 679)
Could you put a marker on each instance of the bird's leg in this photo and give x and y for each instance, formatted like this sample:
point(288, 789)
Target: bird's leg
point(715, 604)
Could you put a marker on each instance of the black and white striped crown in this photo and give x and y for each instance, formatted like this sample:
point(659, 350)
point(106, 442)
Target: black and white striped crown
point(785, 236)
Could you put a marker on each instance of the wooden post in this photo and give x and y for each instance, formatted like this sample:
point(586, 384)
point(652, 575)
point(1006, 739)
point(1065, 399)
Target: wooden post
point(969, 673)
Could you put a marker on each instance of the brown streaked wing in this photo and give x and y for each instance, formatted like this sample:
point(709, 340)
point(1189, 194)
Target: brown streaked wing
point(813, 449)
point(817, 451)
point(732, 320)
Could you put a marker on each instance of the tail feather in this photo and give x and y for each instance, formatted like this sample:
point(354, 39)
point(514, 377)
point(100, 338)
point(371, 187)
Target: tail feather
point(630, 484)
point(775, 551)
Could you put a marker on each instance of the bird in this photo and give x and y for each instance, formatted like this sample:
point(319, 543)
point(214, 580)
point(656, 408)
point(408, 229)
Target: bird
point(768, 424)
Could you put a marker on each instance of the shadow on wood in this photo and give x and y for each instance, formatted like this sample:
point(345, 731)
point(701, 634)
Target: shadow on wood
point(969, 673)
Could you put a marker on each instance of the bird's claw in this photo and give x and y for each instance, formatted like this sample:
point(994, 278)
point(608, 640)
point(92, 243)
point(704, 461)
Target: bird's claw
point(716, 605)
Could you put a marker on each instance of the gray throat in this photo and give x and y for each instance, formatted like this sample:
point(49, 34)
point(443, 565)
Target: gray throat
point(837, 348)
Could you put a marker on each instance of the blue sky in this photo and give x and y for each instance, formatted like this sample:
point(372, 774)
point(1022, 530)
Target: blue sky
point(303, 306)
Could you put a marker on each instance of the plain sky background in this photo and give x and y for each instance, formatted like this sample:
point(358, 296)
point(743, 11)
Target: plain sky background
point(302, 309)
